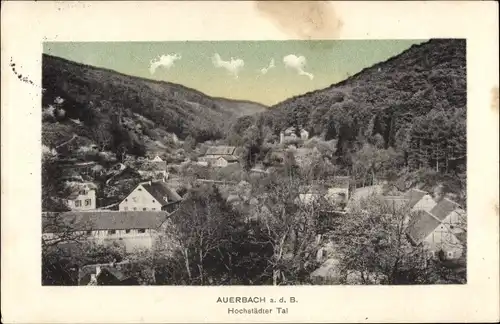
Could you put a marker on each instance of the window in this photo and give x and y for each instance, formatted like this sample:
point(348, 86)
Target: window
point(153, 208)
point(135, 208)
point(111, 232)
point(126, 199)
point(78, 203)
point(89, 232)
point(144, 208)
point(142, 230)
point(127, 231)
point(125, 208)
point(154, 201)
point(88, 202)
point(449, 254)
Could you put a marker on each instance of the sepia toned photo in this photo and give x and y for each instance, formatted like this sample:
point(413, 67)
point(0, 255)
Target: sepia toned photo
point(338, 162)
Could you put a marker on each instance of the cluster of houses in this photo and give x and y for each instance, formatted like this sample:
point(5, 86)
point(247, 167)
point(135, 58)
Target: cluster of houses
point(434, 223)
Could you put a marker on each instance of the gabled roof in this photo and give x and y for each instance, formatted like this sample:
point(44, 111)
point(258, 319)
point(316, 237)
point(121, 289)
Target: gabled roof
point(229, 158)
point(102, 220)
point(444, 208)
point(159, 190)
point(220, 150)
point(423, 224)
point(414, 196)
point(117, 270)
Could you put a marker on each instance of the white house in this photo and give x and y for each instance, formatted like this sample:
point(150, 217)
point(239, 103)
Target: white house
point(151, 196)
point(133, 230)
point(157, 159)
point(290, 134)
point(440, 229)
point(82, 197)
point(219, 156)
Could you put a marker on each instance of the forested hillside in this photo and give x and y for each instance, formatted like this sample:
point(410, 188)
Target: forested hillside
point(78, 98)
point(408, 112)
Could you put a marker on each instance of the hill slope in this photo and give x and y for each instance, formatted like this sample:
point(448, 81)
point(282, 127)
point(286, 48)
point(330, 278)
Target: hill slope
point(95, 96)
point(413, 103)
point(384, 99)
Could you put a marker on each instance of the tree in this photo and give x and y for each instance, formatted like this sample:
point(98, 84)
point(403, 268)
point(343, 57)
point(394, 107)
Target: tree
point(372, 244)
point(289, 228)
point(203, 228)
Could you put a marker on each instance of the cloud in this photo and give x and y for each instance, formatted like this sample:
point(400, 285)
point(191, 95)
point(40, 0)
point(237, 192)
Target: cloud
point(233, 66)
point(297, 63)
point(166, 61)
point(266, 69)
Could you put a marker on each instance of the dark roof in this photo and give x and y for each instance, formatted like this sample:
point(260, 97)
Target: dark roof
point(117, 270)
point(159, 190)
point(414, 196)
point(102, 220)
point(230, 158)
point(423, 224)
point(220, 150)
point(444, 208)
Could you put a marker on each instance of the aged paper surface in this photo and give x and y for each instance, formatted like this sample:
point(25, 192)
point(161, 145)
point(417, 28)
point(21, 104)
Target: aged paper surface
point(26, 25)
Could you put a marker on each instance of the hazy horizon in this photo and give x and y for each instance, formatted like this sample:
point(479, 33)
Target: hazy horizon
point(266, 72)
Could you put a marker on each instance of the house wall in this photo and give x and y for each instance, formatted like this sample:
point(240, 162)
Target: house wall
point(334, 192)
point(443, 239)
point(132, 240)
point(220, 162)
point(83, 202)
point(425, 204)
point(139, 199)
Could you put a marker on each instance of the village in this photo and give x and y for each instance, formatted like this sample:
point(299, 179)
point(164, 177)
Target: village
point(139, 220)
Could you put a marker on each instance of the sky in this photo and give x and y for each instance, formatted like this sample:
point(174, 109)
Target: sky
point(262, 71)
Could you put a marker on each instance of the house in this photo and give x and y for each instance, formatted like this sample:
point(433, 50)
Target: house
point(108, 274)
point(157, 159)
point(441, 229)
point(291, 134)
point(151, 195)
point(220, 156)
point(132, 229)
point(82, 196)
point(332, 192)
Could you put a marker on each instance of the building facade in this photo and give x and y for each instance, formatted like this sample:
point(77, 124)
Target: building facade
point(131, 230)
point(151, 196)
point(82, 198)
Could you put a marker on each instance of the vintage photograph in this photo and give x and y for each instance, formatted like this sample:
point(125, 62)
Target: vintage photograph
point(287, 162)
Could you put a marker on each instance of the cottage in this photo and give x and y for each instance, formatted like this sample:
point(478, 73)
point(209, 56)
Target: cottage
point(220, 156)
point(132, 229)
point(335, 192)
point(151, 195)
point(291, 134)
point(441, 229)
point(108, 274)
point(82, 196)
